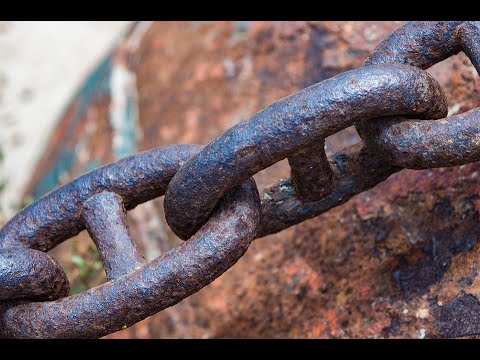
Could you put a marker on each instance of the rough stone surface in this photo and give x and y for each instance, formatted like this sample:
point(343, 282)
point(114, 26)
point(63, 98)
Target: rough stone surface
point(399, 260)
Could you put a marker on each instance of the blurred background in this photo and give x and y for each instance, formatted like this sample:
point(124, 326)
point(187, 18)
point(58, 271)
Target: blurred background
point(78, 95)
point(42, 64)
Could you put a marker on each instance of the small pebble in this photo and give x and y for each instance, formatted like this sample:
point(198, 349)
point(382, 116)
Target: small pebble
point(422, 313)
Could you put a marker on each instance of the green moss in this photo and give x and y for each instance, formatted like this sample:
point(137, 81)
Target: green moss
point(86, 269)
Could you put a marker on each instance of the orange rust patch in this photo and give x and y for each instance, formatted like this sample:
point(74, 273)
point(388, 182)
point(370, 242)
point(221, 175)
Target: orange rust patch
point(332, 320)
point(363, 291)
point(298, 271)
point(318, 330)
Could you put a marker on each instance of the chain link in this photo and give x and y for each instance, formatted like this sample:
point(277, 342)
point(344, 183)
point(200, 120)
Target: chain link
point(211, 199)
point(418, 144)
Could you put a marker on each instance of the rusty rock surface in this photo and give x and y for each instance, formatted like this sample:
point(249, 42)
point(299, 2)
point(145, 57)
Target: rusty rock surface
point(399, 260)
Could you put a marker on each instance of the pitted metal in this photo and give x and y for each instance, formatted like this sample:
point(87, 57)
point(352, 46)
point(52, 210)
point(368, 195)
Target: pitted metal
point(419, 144)
point(32, 274)
point(211, 200)
point(136, 290)
point(287, 126)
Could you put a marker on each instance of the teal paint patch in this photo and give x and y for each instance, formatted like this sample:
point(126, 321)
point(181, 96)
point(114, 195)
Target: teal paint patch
point(96, 86)
point(125, 132)
point(50, 180)
point(92, 165)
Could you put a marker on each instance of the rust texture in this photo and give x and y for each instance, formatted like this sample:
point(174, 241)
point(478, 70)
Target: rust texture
point(282, 207)
point(57, 216)
point(426, 144)
point(321, 279)
point(311, 174)
point(32, 274)
point(106, 222)
point(387, 264)
point(395, 261)
point(289, 125)
point(159, 284)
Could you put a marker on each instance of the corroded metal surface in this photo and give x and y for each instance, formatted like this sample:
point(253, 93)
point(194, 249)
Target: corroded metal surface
point(57, 216)
point(348, 273)
point(159, 284)
point(105, 218)
point(282, 207)
point(129, 297)
point(311, 174)
point(387, 264)
point(341, 275)
point(419, 144)
point(32, 274)
point(291, 124)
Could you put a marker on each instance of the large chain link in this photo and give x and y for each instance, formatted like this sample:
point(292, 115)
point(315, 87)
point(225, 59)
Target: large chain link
point(211, 199)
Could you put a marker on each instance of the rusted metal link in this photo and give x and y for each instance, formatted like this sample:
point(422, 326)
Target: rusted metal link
point(106, 222)
point(355, 169)
point(418, 43)
point(32, 274)
point(57, 216)
point(418, 144)
point(286, 126)
point(310, 172)
point(211, 199)
point(129, 298)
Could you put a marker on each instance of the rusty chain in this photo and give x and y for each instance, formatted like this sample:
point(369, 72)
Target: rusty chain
point(211, 199)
